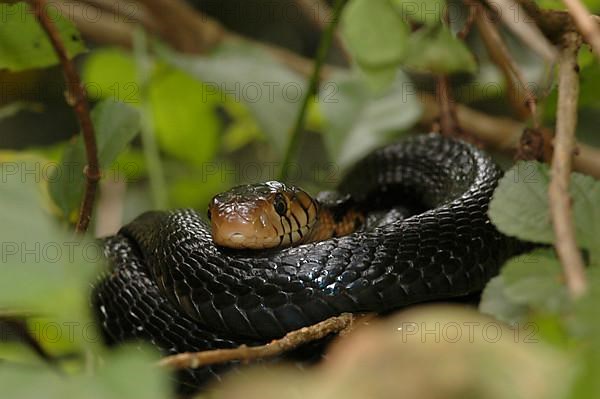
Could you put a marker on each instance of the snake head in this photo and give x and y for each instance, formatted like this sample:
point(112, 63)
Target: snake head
point(260, 216)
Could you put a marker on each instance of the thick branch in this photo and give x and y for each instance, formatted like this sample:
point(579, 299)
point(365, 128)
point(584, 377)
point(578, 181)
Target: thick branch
point(276, 347)
point(564, 147)
point(76, 97)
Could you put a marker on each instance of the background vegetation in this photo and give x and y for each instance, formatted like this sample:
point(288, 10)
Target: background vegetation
point(188, 99)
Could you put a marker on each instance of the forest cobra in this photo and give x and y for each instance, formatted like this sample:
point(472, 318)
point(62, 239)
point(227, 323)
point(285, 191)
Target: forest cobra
point(418, 212)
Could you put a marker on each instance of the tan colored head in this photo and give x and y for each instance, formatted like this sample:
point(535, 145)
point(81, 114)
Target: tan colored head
point(264, 215)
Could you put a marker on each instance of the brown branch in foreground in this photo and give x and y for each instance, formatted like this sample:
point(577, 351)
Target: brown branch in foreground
point(77, 99)
point(276, 347)
point(564, 147)
point(501, 56)
point(588, 27)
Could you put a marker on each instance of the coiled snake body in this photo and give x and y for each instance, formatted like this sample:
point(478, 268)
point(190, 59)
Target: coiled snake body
point(170, 283)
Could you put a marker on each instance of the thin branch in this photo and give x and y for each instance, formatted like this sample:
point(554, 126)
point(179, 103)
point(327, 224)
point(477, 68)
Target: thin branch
point(588, 27)
point(312, 88)
point(276, 347)
point(464, 31)
point(77, 99)
point(448, 120)
point(501, 133)
point(320, 14)
point(564, 147)
point(501, 56)
point(514, 18)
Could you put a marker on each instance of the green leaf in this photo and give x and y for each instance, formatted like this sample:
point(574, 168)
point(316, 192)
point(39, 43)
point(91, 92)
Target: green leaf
point(356, 121)
point(535, 280)
point(520, 205)
point(379, 79)
point(585, 323)
point(495, 302)
point(115, 125)
point(428, 12)
point(587, 384)
point(197, 188)
point(437, 50)
point(44, 270)
point(23, 43)
point(249, 75)
point(376, 35)
point(110, 74)
point(118, 378)
point(527, 283)
point(184, 116)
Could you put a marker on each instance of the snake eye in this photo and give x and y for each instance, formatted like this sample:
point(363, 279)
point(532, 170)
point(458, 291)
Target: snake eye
point(280, 205)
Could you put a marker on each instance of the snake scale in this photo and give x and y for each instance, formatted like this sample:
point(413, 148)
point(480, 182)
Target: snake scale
point(168, 283)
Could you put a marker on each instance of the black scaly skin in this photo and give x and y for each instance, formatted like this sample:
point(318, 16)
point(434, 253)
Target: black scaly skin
point(172, 285)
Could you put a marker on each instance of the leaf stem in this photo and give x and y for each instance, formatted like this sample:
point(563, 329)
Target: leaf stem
point(76, 97)
point(158, 184)
point(313, 88)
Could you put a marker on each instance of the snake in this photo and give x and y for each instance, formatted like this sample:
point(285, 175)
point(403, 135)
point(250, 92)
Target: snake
point(407, 224)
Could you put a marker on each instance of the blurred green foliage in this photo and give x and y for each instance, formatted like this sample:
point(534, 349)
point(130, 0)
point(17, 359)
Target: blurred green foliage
point(23, 43)
point(115, 125)
point(520, 206)
point(215, 114)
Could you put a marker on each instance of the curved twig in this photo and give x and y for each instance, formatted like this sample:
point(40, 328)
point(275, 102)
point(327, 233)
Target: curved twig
point(564, 147)
point(276, 347)
point(77, 99)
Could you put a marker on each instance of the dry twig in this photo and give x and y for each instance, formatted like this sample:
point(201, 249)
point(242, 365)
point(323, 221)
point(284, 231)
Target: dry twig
point(588, 27)
point(564, 147)
point(447, 119)
point(500, 54)
point(515, 18)
point(77, 98)
point(276, 347)
point(501, 133)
